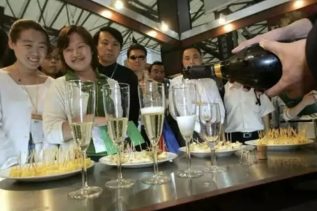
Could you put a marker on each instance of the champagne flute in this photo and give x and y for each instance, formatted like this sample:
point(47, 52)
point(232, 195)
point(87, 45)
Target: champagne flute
point(80, 99)
point(116, 101)
point(185, 103)
point(209, 116)
point(152, 103)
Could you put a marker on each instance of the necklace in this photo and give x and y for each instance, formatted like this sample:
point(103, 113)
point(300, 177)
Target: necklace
point(19, 77)
point(114, 70)
point(32, 95)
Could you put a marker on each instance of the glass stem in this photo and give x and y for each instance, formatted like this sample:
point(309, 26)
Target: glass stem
point(119, 163)
point(155, 165)
point(84, 171)
point(189, 160)
point(213, 156)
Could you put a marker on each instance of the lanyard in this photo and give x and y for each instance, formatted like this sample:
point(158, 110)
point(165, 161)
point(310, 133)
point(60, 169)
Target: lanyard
point(114, 70)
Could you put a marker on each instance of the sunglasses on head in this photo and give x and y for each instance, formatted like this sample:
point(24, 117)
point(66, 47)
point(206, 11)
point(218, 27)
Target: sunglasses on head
point(137, 57)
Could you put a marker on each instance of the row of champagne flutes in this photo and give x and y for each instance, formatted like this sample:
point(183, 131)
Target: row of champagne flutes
point(188, 107)
point(81, 104)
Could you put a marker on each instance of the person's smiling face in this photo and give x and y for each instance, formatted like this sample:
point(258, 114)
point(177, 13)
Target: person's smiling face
point(77, 54)
point(30, 48)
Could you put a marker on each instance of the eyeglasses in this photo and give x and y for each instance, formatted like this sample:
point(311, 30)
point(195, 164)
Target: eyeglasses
point(137, 57)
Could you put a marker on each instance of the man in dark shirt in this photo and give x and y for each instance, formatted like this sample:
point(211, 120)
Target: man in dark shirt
point(109, 43)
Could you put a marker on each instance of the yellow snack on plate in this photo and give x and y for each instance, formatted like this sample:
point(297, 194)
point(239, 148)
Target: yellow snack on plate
point(283, 136)
point(45, 169)
point(137, 157)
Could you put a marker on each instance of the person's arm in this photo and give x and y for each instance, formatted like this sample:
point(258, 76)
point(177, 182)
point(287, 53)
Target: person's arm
point(266, 107)
point(217, 99)
point(55, 125)
point(308, 99)
point(170, 98)
point(311, 51)
point(7, 149)
point(296, 30)
point(266, 123)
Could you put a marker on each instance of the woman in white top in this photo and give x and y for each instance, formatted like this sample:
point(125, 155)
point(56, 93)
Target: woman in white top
point(79, 56)
point(246, 112)
point(22, 91)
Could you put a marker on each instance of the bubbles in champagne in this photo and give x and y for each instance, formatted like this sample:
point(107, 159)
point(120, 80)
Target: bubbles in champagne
point(117, 128)
point(153, 119)
point(82, 133)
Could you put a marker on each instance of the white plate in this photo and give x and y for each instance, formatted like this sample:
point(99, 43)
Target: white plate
point(107, 161)
point(5, 174)
point(202, 154)
point(280, 147)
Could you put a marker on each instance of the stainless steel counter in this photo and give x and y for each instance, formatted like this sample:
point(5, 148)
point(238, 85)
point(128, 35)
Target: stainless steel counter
point(52, 195)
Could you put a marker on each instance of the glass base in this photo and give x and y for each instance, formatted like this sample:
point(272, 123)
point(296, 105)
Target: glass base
point(213, 169)
point(87, 192)
point(156, 179)
point(119, 183)
point(189, 173)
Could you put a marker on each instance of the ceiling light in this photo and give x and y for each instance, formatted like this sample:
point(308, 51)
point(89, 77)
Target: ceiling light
point(152, 33)
point(228, 27)
point(164, 26)
point(118, 4)
point(106, 14)
point(298, 4)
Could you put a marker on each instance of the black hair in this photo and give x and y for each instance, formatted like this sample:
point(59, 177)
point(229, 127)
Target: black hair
point(24, 24)
point(192, 47)
point(63, 42)
point(155, 63)
point(136, 46)
point(114, 32)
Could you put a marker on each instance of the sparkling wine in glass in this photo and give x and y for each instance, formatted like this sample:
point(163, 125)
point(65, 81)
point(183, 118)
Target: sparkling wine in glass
point(152, 103)
point(116, 101)
point(210, 118)
point(185, 105)
point(80, 99)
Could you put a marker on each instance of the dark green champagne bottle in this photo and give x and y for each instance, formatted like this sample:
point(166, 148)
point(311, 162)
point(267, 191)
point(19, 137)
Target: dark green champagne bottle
point(253, 67)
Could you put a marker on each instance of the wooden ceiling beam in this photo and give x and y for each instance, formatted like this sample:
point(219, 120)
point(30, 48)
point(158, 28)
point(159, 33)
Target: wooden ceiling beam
point(310, 6)
point(123, 20)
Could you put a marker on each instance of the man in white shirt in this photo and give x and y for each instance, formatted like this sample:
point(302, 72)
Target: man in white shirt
point(207, 89)
point(246, 112)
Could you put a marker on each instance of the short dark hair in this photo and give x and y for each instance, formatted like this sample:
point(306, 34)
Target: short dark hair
point(24, 24)
point(136, 46)
point(114, 32)
point(192, 47)
point(63, 42)
point(155, 63)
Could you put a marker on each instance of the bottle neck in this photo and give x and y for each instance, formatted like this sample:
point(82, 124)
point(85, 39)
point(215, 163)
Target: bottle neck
point(217, 70)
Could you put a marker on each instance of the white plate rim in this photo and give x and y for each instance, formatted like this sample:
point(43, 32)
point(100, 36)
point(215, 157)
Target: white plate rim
point(280, 146)
point(170, 156)
point(220, 153)
point(4, 173)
